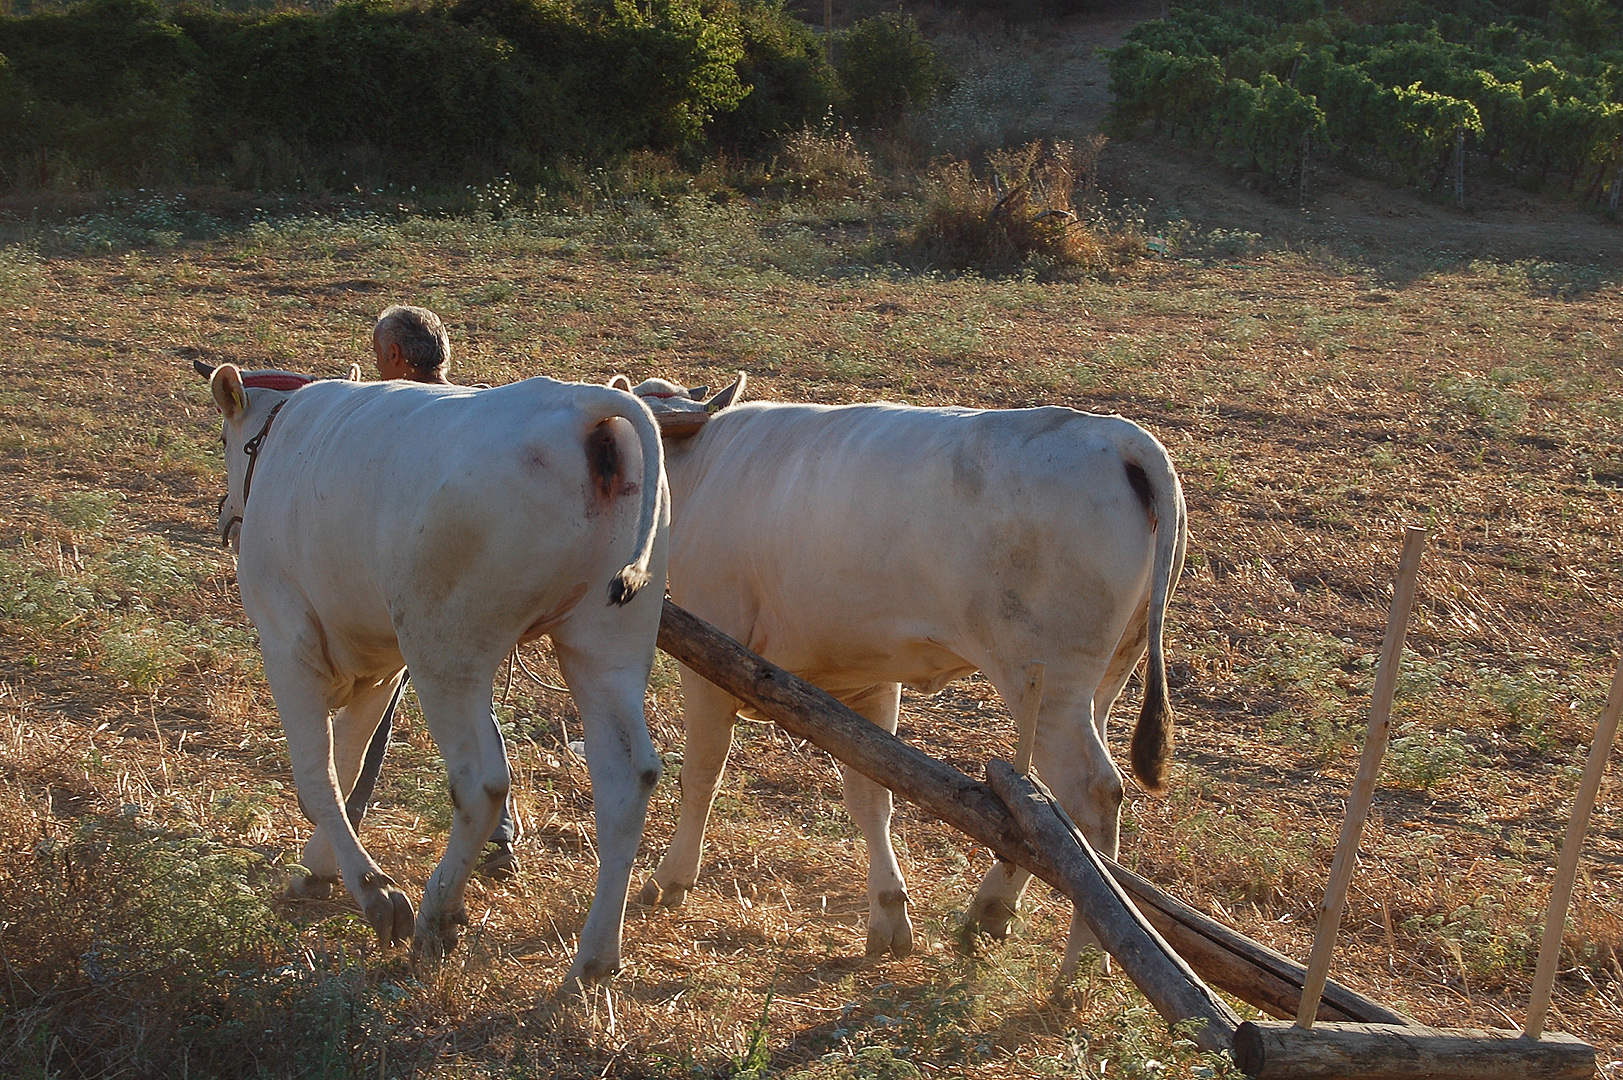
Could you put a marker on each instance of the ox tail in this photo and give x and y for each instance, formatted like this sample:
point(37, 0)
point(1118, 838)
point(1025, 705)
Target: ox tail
point(632, 577)
point(1150, 472)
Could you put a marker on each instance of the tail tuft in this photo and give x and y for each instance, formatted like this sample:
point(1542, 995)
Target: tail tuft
point(1152, 737)
point(627, 584)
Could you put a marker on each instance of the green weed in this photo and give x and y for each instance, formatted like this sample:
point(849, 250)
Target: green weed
point(22, 275)
point(1499, 409)
point(1423, 759)
point(87, 510)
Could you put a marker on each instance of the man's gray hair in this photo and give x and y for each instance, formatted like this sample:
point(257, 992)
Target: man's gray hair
point(421, 336)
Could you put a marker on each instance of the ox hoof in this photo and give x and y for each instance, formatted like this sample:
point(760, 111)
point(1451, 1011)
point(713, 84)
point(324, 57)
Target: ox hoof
point(309, 887)
point(993, 917)
point(671, 895)
point(386, 909)
point(437, 934)
point(584, 974)
point(889, 928)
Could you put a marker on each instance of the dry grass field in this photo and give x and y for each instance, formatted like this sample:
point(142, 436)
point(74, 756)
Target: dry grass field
point(1315, 405)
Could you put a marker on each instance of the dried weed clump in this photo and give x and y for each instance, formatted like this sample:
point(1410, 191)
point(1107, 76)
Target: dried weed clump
point(1019, 212)
point(826, 163)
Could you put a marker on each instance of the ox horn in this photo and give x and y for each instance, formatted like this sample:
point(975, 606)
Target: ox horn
point(202, 368)
point(698, 393)
point(729, 396)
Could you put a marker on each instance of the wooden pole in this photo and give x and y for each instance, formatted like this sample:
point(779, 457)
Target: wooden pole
point(1243, 966)
point(1363, 791)
point(1233, 962)
point(1555, 920)
point(1275, 1051)
point(1166, 980)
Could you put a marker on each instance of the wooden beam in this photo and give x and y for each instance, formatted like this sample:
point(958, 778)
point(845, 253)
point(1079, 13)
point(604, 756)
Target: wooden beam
point(1243, 966)
point(681, 425)
point(1231, 961)
point(1166, 980)
point(1326, 1051)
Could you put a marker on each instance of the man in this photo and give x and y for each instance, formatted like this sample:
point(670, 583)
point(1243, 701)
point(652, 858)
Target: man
point(411, 343)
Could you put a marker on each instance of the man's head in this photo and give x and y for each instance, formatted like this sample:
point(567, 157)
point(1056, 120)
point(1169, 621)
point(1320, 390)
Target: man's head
point(411, 343)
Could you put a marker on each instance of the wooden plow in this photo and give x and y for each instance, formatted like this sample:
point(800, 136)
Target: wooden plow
point(1167, 948)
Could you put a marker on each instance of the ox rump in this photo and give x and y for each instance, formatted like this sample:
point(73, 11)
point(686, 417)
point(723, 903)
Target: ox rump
point(393, 525)
point(864, 547)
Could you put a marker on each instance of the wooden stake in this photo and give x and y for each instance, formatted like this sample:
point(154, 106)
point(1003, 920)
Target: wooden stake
point(1555, 920)
point(1363, 791)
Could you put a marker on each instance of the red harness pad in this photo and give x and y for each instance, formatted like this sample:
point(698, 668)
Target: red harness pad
point(276, 380)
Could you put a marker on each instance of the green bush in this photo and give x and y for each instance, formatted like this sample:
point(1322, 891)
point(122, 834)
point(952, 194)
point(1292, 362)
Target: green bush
point(108, 85)
point(788, 85)
point(1534, 88)
point(886, 66)
point(116, 92)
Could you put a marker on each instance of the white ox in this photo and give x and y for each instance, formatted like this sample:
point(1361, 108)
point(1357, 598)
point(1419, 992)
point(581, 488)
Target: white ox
point(394, 525)
point(867, 546)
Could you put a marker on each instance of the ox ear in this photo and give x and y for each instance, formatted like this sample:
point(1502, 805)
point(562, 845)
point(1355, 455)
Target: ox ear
point(225, 386)
point(354, 373)
point(620, 382)
point(731, 395)
point(698, 393)
point(202, 368)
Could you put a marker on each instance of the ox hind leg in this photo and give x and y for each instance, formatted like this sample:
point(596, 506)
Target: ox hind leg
point(1071, 757)
point(456, 708)
point(869, 803)
point(708, 714)
point(302, 704)
point(352, 730)
point(1106, 796)
point(606, 667)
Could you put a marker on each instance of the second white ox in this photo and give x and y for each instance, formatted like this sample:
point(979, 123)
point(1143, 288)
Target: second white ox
point(392, 525)
point(864, 547)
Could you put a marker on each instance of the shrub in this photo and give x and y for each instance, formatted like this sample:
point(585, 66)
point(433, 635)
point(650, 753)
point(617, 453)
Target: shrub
point(886, 66)
point(108, 84)
point(787, 83)
point(1018, 214)
point(828, 165)
point(1399, 97)
point(117, 92)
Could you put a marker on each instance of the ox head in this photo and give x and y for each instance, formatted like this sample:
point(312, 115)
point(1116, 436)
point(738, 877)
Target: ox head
point(248, 401)
point(681, 411)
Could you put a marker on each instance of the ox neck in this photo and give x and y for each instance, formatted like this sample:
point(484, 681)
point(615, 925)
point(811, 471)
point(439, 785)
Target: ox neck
point(252, 448)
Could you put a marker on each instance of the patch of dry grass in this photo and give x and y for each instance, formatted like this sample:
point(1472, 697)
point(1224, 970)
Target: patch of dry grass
point(1313, 410)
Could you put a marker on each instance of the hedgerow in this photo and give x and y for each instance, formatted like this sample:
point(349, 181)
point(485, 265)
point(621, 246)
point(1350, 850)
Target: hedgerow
point(122, 92)
point(1534, 88)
